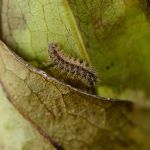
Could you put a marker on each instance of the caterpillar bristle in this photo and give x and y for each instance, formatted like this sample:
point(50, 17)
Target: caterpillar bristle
point(72, 67)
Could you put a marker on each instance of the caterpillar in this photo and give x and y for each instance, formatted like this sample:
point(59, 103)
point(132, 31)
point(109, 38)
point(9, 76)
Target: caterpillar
point(72, 67)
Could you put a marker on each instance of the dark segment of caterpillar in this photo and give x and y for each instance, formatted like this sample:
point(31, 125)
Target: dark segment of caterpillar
point(72, 67)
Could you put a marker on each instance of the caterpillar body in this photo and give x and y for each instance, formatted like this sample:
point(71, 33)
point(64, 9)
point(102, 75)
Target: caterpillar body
point(72, 67)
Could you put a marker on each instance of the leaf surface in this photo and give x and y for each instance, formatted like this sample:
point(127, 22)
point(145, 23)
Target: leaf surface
point(112, 35)
point(16, 133)
point(67, 117)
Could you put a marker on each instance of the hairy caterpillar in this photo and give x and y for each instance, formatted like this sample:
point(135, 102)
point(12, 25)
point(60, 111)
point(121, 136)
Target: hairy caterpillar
point(72, 67)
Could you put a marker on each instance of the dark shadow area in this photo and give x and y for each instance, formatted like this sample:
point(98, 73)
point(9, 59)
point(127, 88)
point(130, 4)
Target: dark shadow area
point(145, 6)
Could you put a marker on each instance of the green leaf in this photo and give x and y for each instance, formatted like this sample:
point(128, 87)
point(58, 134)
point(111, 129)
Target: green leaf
point(117, 35)
point(28, 27)
point(66, 117)
point(112, 35)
